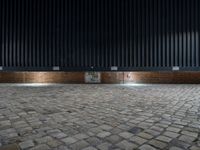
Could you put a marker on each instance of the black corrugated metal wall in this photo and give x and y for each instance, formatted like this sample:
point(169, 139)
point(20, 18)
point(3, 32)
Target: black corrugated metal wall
point(98, 34)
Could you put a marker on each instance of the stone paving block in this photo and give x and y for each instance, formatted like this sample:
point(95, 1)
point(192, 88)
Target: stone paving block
point(162, 125)
point(105, 127)
point(165, 122)
point(181, 123)
point(136, 130)
point(146, 147)
point(62, 147)
point(191, 128)
point(103, 134)
point(90, 148)
point(54, 143)
point(104, 146)
point(44, 139)
point(145, 135)
point(26, 144)
point(158, 144)
point(79, 145)
point(173, 129)
point(126, 135)
point(152, 132)
point(5, 123)
point(94, 141)
point(96, 130)
point(186, 138)
point(134, 121)
point(190, 133)
point(113, 139)
point(59, 135)
point(69, 140)
point(195, 148)
point(180, 144)
point(115, 130)
point(138, 140)
point(41, 147)
point(164, 138)
point(124, 127)
point(175, 148)
point(145, 125)
point(126, 145)
point(53, 131)
point(177, 126)
point(80, 136)
point(171, 134)
point(157, 128)
point(25, 130)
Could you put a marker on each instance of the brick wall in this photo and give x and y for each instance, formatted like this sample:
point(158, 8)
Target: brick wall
point(106, 77)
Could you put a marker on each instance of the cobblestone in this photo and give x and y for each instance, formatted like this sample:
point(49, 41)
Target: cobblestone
point(126, 145)
point(69, 140)
point(90, 148)
point(195, 148)
point(126, 135)
point(103, 134)
point(190, 133)
point(79, 145)
point(158, 144)
point(59, 135)
point(41, 147)
point(26, 144)
point(173, 129)
point(94, 141)
point(146, 147)
point(80, 136)
point(113, 139)
point(145, 135)
point(164, 138)
point(104, 146)
point(175, 148)
point(187, 139)
point(171, 134)
point(138, 140)
point(45, 139)
point(91, 117)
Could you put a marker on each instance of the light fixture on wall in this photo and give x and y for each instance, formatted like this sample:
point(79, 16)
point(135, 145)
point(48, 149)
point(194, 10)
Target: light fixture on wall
point(33, 84)
point(135, 84)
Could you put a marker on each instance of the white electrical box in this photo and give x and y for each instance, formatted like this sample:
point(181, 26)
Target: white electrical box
point(114, 68)
point(175, 68)
point(56, 68)
point(92, 77)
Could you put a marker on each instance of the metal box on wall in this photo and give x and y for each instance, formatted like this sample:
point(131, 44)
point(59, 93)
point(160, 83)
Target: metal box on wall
point(92, 77)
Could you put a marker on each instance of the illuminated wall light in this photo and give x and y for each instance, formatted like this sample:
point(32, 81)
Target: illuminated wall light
point(34, 84)
point(130, 78)
point(39, 77)
point(135, 84)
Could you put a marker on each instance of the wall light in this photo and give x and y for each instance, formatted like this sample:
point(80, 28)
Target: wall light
point(35, 84)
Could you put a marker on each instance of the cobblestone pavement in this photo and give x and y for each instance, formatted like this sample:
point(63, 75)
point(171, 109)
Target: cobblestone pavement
point(90, 117)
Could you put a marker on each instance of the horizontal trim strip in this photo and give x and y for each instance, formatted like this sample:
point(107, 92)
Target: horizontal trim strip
point(5, 69)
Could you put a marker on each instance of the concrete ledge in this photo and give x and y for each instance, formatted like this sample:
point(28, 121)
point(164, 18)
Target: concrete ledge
point(106, 77)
